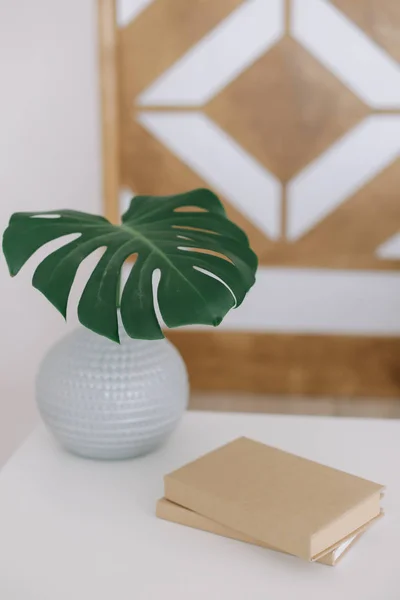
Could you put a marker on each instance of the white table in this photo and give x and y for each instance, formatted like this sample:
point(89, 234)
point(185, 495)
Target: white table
point(73, 529)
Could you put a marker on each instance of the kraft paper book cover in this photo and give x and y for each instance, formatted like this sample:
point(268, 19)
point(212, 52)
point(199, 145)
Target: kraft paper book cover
point(170, 511)
point(285, 501)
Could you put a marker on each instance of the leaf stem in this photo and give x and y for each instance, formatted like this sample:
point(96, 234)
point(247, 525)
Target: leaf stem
point(119, 290)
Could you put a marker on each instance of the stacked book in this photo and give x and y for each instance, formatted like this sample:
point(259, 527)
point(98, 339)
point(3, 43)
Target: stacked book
point(262, 495)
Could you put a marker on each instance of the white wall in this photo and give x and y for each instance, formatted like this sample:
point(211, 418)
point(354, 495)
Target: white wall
point(49, 158)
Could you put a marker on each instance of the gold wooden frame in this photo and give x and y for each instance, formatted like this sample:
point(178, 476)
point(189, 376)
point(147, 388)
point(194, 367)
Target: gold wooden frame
point(108, 49)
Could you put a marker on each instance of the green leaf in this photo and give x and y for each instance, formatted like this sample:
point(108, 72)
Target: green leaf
point(206, 264)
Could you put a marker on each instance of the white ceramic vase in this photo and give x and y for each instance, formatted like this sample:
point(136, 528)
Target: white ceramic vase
point(111, 401)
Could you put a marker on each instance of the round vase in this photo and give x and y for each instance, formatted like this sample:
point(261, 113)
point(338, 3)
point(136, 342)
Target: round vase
point(111, 401)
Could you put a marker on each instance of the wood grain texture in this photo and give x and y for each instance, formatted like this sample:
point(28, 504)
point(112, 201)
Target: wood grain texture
point(110, 107)
point(286, 109)
point(291, 364)
point(379, 19)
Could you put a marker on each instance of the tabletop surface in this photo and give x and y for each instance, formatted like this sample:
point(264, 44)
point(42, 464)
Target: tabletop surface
point(78, 529)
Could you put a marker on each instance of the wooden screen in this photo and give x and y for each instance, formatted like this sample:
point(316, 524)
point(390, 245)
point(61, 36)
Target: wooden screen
point(290, 111)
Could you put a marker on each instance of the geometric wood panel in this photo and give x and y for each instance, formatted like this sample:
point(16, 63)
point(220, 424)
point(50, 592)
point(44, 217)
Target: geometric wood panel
point(300, 137)
point(285, 108)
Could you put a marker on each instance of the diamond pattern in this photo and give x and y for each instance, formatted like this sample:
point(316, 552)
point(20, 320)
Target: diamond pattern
point(286, 109)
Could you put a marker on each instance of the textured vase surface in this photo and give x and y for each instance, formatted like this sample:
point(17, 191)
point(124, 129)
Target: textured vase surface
point(111, 401)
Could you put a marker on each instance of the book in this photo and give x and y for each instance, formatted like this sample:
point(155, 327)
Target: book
point(169, 511)
point(290, 503)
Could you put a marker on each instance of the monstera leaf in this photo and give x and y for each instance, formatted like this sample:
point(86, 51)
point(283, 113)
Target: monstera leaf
point(206, 264)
